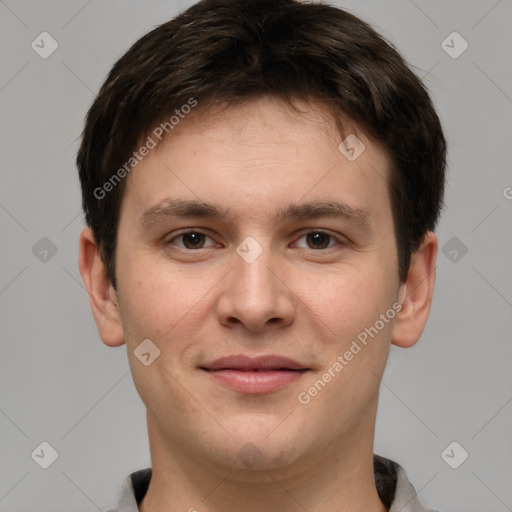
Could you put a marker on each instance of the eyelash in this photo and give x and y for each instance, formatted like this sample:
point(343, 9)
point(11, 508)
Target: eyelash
point(183, 233)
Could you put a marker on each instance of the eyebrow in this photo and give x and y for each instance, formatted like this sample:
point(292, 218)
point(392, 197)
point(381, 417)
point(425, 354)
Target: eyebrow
point(170, 207)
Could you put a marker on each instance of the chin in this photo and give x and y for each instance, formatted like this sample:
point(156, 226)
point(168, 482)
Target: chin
point(261, 444)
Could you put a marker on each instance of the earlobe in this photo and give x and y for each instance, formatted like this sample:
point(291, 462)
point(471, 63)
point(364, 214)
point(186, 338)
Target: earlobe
point(416, 294)
point(102, 296)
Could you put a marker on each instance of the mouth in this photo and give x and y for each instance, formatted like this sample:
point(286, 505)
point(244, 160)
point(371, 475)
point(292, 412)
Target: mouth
point(255, 375)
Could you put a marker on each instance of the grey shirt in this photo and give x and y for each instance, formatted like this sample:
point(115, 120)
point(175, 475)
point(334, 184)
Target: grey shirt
point(395, 490)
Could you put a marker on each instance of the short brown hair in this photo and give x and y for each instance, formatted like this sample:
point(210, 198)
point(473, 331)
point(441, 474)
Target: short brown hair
point(227, 51)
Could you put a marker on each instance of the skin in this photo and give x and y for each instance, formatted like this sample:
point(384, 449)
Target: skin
point(294, 300)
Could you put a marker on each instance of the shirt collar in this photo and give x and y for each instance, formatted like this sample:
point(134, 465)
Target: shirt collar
point(394, 488)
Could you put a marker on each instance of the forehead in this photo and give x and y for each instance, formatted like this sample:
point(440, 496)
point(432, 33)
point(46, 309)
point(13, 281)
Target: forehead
point(258, 154)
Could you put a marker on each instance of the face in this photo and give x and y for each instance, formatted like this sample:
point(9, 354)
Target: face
point(259, 294)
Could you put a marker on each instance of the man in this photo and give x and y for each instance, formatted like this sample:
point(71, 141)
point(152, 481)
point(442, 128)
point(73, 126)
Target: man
point(261, 181)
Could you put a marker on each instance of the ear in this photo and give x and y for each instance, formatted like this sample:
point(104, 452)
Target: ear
point(416, 293)
point(103, 298)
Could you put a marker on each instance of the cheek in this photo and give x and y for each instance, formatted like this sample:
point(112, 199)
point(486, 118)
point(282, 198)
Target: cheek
point(355, 345)
point(157, 304)
point(347, 300)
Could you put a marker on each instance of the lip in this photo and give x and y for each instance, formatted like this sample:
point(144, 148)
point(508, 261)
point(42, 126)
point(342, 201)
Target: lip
point(255, 375)
point(247, 363)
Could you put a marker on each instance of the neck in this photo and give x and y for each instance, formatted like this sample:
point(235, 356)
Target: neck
point(339, 478)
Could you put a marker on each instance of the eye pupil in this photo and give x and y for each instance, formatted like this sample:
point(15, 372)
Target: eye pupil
point(320, 240)
point(193, 239)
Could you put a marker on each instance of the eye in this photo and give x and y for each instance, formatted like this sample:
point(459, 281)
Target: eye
point(190, 239)
point(319, 240)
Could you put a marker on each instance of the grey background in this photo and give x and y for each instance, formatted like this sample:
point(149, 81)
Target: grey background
point(60, 384)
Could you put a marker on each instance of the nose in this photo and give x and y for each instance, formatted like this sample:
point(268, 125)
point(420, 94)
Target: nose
point(255, 294)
